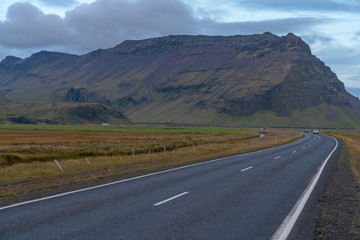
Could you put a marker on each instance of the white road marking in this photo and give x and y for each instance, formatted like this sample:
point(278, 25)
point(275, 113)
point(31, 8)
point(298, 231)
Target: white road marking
point(277, 157)
point(131, 179)
point(245, 169)
point(304, 147)
point(172, 198)
point(138, 177)
point(285, 228)
point(294, 152)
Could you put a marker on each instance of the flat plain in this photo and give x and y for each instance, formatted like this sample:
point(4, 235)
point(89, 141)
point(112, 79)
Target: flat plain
point(27, 153)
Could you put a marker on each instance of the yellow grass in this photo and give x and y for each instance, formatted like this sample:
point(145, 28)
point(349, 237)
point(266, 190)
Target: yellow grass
point(114, 154)
point(352, 140)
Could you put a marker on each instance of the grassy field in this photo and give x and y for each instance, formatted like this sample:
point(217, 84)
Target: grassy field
point(122, 129)
point(352, 140)
point(27, 156)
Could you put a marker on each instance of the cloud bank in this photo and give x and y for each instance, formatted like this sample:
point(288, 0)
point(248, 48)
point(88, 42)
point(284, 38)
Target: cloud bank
point(101, 24)
point(303, 5)
point(105, 23)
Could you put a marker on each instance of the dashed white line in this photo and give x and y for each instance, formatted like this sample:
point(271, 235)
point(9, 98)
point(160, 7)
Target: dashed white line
point(134, 178)
point(294, 152)
point(172, 198)
point(277, 157)
point(245, 169)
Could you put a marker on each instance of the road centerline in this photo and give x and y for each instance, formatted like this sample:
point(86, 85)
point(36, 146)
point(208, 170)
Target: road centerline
point(172, 198)
point(248, 168)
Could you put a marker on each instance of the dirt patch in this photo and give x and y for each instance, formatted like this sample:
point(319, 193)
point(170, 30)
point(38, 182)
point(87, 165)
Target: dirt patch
point(339, 204)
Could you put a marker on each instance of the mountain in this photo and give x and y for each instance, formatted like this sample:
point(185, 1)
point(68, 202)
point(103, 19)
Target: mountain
point(60, 113)
point(254, 80)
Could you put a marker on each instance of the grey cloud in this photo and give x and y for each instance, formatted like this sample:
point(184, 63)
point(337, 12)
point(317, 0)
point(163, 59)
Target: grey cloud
point(310, 39)
point(111, 21)
point(26, 27)
point(306, 5)
point(277, 26)
point(59, 3)
point(357, 36)
point(105, 23)
point(101, 24)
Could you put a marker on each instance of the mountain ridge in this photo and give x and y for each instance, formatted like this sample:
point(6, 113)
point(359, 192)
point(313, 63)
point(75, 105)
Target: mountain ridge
point(187, 79)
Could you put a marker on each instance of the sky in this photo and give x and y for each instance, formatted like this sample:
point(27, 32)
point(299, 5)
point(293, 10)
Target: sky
point(330, 27)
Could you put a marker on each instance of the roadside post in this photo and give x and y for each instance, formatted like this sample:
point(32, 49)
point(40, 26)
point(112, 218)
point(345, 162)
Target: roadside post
point(58, 164)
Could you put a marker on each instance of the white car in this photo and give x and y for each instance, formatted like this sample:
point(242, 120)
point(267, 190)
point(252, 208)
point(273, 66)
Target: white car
point(316, 131)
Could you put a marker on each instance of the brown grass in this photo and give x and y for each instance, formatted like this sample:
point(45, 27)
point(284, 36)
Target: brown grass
point(352, 140)
point(111, 154)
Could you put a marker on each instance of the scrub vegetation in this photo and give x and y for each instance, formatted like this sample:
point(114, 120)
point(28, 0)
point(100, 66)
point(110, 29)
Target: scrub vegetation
point(352, 138)
point(340, 205)
point(27, 156)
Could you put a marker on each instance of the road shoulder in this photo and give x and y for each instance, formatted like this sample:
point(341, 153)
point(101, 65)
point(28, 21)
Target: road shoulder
point(339, 205)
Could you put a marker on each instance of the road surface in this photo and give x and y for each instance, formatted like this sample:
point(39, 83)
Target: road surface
point(247, 196)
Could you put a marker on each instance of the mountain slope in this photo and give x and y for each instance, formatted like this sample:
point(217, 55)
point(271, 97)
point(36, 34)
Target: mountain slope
point(60, 113)
point(264, 79)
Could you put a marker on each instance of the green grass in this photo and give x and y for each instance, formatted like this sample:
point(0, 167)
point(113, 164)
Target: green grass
point(124, 129)
point(321, 116)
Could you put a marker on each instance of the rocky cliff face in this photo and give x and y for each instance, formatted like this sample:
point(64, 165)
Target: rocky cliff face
point(184, 78)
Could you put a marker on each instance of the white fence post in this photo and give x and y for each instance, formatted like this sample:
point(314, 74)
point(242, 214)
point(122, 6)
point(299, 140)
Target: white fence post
point(58, 164)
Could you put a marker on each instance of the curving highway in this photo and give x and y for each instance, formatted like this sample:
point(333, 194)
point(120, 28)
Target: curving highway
point(259, 195)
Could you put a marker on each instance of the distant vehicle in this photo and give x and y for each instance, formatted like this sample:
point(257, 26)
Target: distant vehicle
point(306, 130)
point(316, 131)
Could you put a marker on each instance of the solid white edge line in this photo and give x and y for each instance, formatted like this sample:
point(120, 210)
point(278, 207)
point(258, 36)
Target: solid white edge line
point(245, 169)
point(286, 226)
point(172, 198)
point(138, 177)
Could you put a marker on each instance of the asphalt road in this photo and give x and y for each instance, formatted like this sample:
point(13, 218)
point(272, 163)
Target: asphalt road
point(246, 196)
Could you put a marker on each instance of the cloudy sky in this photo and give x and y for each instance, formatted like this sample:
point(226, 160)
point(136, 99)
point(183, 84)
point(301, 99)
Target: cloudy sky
point(330, 27)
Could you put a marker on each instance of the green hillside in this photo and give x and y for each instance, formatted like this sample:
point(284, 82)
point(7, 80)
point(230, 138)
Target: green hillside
point(253, 80)
point(60, 113)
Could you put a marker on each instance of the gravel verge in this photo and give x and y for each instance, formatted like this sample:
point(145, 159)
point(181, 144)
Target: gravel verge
point(339, 204)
